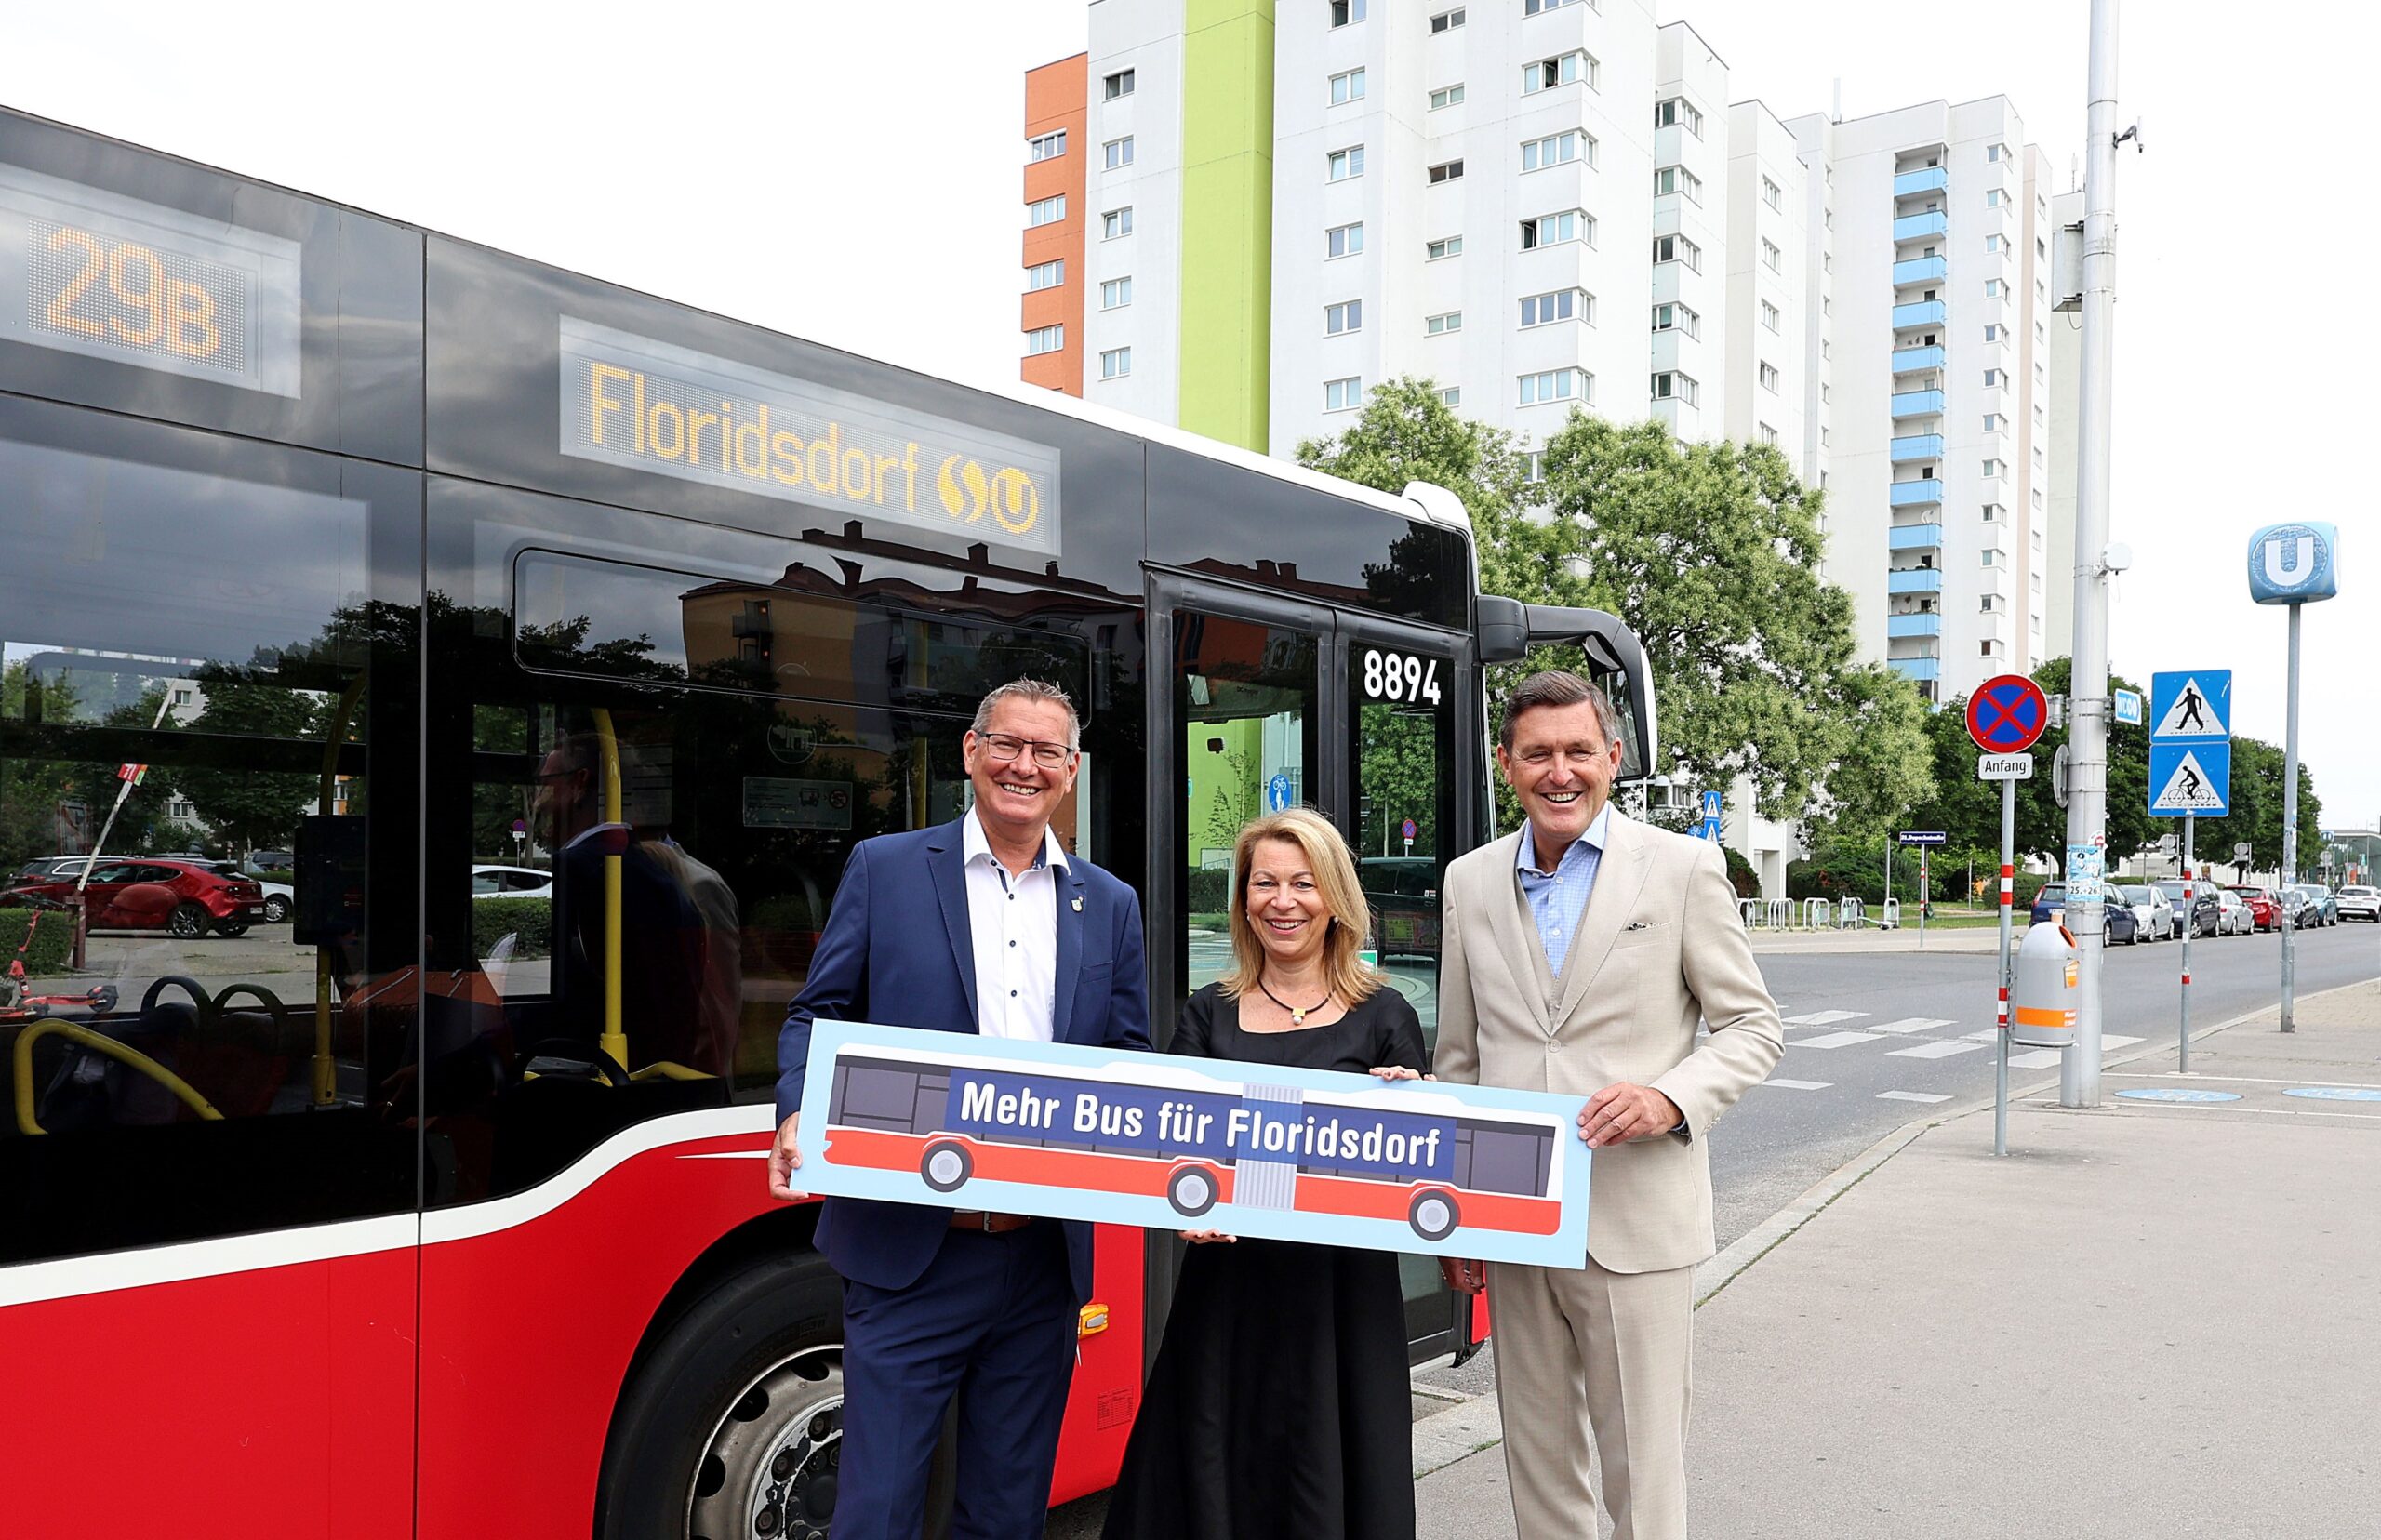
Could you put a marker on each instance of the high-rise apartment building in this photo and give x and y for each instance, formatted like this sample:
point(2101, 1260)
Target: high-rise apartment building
point(2066, 383)
point(1055, 116)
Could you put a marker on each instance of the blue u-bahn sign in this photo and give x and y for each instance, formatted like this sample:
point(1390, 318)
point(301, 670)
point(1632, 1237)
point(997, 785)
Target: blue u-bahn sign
point(2293, 563)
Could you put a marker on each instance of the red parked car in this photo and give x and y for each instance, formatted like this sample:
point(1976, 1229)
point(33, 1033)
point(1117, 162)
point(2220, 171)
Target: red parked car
point(183, 898)
point(2264, 909)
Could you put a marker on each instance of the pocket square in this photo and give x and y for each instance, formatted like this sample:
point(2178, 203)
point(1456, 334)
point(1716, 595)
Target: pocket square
point(1634, 925)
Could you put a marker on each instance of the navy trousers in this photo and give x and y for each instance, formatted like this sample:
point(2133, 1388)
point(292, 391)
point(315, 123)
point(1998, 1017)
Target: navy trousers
point(993, 1321)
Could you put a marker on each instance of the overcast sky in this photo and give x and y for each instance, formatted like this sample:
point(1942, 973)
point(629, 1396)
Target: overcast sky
point(851, 173)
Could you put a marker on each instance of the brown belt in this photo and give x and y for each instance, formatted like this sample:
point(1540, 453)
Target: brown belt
point(991, 1224)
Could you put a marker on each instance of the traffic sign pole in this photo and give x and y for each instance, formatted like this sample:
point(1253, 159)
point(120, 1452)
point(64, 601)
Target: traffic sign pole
point(2290, 835)
point(2008, 895)
point(2190, 891)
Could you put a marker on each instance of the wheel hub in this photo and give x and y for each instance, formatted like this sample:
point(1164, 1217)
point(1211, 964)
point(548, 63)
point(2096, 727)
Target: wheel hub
point(771, 1470)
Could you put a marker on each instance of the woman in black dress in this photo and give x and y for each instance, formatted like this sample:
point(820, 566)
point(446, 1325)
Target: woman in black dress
point(1278, 1409)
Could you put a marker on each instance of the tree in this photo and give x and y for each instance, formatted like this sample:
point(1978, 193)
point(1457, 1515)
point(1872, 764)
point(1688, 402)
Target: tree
point(2042, 823)
point(252, 808)
point(2255, 818)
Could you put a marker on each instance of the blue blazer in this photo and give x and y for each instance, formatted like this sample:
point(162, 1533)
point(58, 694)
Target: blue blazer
point(892, 956)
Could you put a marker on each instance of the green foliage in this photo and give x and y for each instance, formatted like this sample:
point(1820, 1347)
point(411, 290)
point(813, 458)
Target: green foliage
point(2257, 775)
point(249, 809)
point(530, 922)
point(53, 940)
point(1742, 875)
point(2042, 823)
point(1210, 890)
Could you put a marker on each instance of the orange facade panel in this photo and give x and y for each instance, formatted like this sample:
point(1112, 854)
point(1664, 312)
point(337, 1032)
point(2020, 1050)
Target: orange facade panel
point(1056, 103)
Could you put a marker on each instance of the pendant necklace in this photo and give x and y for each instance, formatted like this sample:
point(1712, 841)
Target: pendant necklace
point(1297, 1015)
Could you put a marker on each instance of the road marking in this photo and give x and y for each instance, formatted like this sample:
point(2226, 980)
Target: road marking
point(1937, 1050)
point(1984, 1036)
point(2109, 1042)
point(1798, 1085)
point(2040, 1058)
point(1910, 1096)
point(1834, 1040)
point(1910, 1024)
point(1823, 1018)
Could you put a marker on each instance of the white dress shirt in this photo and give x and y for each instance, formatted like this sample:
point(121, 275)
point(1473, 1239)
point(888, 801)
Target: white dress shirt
point(1015, 924)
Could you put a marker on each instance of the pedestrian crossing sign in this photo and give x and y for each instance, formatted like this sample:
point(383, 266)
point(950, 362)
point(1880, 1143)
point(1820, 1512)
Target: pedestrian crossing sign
point(2191, 777)
point(2195, 705)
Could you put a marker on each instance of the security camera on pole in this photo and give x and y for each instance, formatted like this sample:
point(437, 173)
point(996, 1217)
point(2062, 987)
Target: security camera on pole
point(2005, 716)
point(2294, 564)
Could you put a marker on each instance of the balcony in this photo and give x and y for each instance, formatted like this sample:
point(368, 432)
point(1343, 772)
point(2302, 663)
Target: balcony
point(1917, 536)
point(1914, 494)
point(1913, 227)
point(1920, 270)
point(1928, 179)
point(1927, 312)
point(1911, 404)
point(1911, 360)
point(1917, 668)
point(1899, 626)
point(1915, 446)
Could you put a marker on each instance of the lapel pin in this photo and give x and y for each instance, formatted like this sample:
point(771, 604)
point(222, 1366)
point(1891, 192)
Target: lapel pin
point(1078, 906)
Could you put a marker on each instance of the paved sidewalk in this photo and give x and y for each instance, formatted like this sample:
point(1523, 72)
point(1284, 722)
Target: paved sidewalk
point(2149, 1320)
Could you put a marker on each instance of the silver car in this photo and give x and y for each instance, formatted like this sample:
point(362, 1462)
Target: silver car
point(2233, 915)
point(2152, 910)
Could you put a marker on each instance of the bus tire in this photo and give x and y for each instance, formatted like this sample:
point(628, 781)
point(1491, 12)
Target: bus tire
point(945, 1166)
point(1193, 1191)
point(1433, 1214)
point(735, 1413)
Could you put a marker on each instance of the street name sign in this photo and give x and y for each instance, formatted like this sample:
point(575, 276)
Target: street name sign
point(2002, 767)
point(2006, 714)
point(1924, 837)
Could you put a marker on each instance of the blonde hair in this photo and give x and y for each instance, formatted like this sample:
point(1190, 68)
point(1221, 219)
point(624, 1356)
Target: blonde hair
point(1343, 897)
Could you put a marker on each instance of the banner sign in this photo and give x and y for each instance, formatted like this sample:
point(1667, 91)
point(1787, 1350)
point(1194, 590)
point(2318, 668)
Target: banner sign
point(957, 1120)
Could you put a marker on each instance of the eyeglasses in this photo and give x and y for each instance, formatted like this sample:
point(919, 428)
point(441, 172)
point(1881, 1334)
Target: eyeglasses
point(1002, 747)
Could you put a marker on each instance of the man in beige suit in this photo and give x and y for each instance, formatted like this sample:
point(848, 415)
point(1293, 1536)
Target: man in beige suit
point(1579, 953)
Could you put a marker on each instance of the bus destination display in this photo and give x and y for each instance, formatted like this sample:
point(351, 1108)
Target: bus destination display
point(650, 406)
point(93, 272)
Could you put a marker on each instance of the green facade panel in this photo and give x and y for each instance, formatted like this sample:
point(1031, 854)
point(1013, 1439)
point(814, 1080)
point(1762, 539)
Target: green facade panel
point(1227, 219)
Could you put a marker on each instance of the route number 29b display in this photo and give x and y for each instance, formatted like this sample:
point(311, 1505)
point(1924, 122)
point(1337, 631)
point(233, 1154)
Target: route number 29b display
point(1400, 677)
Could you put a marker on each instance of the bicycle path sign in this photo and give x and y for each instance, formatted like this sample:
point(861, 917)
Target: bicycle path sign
point(2190, 743)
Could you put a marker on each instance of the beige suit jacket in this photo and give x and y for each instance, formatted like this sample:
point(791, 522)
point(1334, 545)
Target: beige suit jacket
point(1660, 945)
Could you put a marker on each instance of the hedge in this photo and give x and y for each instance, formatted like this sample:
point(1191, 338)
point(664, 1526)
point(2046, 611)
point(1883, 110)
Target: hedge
point(1210, 890)
point(530, 922)
point(53, 940)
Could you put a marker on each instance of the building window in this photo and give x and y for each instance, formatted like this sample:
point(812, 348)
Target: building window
point(1568, 69)
point(1538, 8)
point(1447, 171)
point(1991, 557)
point(1451, 396)
point(1534, 467)
point(1992, 198)
point(1042, 276)
point(1346, 240)
point(1768, 315)
point(1992, 333)
point(1995, 468)
point(1115, 222)
point(1992, 513)
point(1670, 385)
point(1772, 194)
point(1678, 248)
point(1771, 258)
point(1991, 603)
point(1346, 316)
point(1994, 243)
point(1343, 396)
point(1678, 178)
point(1447, 95)
point(1544, 310)
point(1673, 111)
point(1826, 394)
point(1571, 144)
point(1769, 377)
point(1994, 422)
point(1678, 318)
point(1344, 12)
point(1556, 385)
point(1043, 211)
point(1044, 147)
point(1996, 152)
point(1768, 434)
point(1116, 293)
point(1450, 321)
point(1044, 339)
point(1117, 153)
point(1115, 364)
point(1115, 85)
point(1572, 224)
point(1347, 88)
point(1447, 245)
point(1446, 21)
point(1345, 165)
point(1994, 379)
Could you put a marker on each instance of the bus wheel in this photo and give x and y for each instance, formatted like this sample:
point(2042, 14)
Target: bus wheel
point(1433, 1215)
point(1192, 1190)
point(732, 1426)
point(946, 1166)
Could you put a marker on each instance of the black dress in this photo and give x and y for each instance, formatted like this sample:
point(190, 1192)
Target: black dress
point(1279, 1408)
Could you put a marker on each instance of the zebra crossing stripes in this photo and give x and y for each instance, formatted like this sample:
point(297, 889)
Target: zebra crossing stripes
point(1775, 1084)
point(1937, 1050)
point(1823, 1018)
point(1910, 1024)
point(1833, 1040)
point(1927, 1096)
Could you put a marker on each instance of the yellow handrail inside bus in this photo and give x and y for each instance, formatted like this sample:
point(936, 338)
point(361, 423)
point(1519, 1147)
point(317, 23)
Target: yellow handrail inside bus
point(325, 1075)
point(121, 1052)
point(615, 1040)
point(665, 1070)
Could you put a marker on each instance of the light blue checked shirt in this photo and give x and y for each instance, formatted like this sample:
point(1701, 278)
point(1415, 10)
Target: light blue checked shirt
point(1557, 899)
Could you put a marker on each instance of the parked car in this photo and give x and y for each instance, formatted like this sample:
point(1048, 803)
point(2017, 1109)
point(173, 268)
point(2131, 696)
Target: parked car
point(2152, 910)
point(2048, 904)
point(2265, 906)
point(2360, 902)
point(279, 897)
point(186, 898)
point(511, 882)
point(2193, 900)
point(2233, 915)
point(2322, 906)
point(2122, 929)
point(272, 860)
point(41, 868)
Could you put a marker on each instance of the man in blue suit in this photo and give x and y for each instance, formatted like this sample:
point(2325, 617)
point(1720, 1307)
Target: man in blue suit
point(985, 925)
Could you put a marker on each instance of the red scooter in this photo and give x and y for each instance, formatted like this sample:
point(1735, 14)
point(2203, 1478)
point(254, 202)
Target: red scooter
point(17, 1002)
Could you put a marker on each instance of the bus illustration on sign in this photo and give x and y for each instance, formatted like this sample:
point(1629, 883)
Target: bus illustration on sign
point(1154, 1141)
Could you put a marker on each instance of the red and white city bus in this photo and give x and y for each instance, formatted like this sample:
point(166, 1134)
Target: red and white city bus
point(429, 1210)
